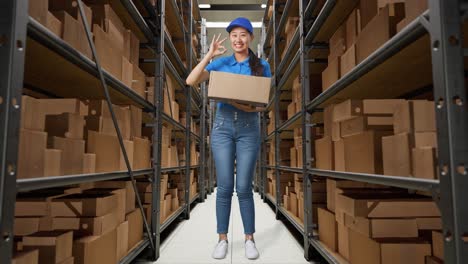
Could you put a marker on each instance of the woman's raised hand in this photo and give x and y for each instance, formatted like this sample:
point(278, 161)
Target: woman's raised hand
point(216, 47)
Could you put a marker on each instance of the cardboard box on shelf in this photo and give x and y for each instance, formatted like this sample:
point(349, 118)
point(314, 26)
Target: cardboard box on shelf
point(414, 8)
point(136, 121)
point(38, 10)
point(65, 125)
point(32, 117)
point(54, 246)
point(286, 203)
point(331, 74)
point(339, 156)
point(293, 157)
point(129, 192)
point(429, 223)
point(348, 60)
point(168, 206)
point(328, 229)
point(109, 54)
point(72, 154)
point(73, 32)
point(328, 120)
point(135, 227)
point(96, 249)
point(299, 157)
point(380, 106)
point(89, 163)
point(52, 162)
point(60, 106)
point(368, 9)
point(54, 24)
point(70, 260)
point(133, 45)
point(31, 160)
point(360, 124)
point(336, 131)
point(291, 24)
point(397, 155)
point(346, 110)
point(138, 82)
point(175, 204)
point(127, 73)
point(353, 28)
point(293, 203)
point(26, 257)
point(324, 153)
point(109, 157)
point(175, 111)
point(335, 186)
point(343, 240)
point(95, 226)
point(142, 153)
point(425, 139)
point(300, 209)
point(414, 116)
point(382, 228)
point(363, 152)
point(437, 244)
point(364, 250)
point(72, 9)
point(228, 86)
point(379, 30)
point(337, 43)
point(122, 240)
point(378, 205)
point(83, 205)
point(424, 163)
point(32, 224)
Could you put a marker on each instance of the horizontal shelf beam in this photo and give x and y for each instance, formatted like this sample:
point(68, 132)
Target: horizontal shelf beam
point(23, 185)
point(290, 169)
point(139, 20)
point(324, 252)
point(172, 218)
point(293, 221)
point(135, 252)
point(395, 181)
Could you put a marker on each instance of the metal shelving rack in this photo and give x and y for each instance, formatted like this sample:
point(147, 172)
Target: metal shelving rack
point(436, 35)
point(16, 27)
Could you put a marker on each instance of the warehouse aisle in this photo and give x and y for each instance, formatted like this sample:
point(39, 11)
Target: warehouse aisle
point(192, 241)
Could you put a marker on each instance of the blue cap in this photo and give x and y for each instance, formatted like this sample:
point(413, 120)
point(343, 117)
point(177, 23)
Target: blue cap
point(241, 22)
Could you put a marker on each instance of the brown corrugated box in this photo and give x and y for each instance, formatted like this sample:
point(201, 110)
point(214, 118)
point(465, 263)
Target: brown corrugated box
point(331, 74)
point(54, 24)
point(339, 156)
point(348, 60)
point(109, 157)
point(52, 162)
point(89, 163)
point(83, 205)
point(293, 203)
point(70, 260)
point(337, 43)
point(424, 163)
point(364, 250)
point(324, 153)
point(382, 228)
point(32, 116)
point(127, 185)
point(135, 227)
point(293, 157)
point(353, 27)
point(136, 120)
point(414, 116)
point(437, 244)
point(122, 240)
point(334, 186)
point(36, 204)
point(26, 257)
point(380, 106)
point(363, 152)
point(379, 30)
point(368, 10)
point(291, 109)
point(138, 82)
point(54, 246)
point(38, 10)
point(242, 88)
point(343, 240)
point(379, 205)
point(362, 123)
point(88, 225)
point(397, 155)
point(328, 229)
point(73, 32)
point(66, 125)
point(72, 154)
point(31, 161)
point(142, 155)
point(414, 8)
point(96, 249)
point(346, 110)
point(433, 260)
point(29, 225)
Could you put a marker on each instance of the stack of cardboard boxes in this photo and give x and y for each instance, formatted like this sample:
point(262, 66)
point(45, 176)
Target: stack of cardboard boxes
point(78, 225)
point(296, 104)
point(296, 151)
point(370, 25)
point(55, 133)
point(289, 30)
point(116, 46)
point(293, 197)
point(379, 225)
point(391, 136)
point(171, 107)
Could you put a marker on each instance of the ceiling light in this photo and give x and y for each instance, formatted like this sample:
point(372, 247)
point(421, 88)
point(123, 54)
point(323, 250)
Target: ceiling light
point(263, 5)
point(204, 6)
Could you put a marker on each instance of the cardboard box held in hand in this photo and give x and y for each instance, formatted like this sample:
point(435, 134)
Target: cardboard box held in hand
point(240, 88)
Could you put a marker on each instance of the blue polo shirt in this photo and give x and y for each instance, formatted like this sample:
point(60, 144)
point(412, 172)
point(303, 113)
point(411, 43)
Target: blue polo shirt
point(229, 64)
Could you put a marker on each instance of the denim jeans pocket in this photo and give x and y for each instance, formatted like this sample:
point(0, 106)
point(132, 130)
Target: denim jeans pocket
point(218, 123)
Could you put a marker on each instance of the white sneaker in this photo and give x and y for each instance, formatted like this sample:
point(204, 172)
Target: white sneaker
point(220, 250)
point(251, 251)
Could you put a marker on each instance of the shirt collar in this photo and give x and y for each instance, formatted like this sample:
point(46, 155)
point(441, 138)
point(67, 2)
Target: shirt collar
point(233, 61)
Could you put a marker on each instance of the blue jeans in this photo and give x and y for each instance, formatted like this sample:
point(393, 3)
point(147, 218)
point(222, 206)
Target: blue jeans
point(235, 137)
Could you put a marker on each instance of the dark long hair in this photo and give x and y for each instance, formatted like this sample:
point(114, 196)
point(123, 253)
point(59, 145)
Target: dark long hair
point(255, 64)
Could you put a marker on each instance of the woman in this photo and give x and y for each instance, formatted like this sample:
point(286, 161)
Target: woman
point(236, 135)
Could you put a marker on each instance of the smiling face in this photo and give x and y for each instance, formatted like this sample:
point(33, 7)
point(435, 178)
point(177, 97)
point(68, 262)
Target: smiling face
point(240, 39)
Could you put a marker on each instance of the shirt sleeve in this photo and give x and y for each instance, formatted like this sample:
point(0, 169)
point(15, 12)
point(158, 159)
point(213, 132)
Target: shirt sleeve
point(266, 69)
point(213, 65)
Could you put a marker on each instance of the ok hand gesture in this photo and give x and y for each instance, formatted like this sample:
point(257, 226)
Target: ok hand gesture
point(216, 47)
